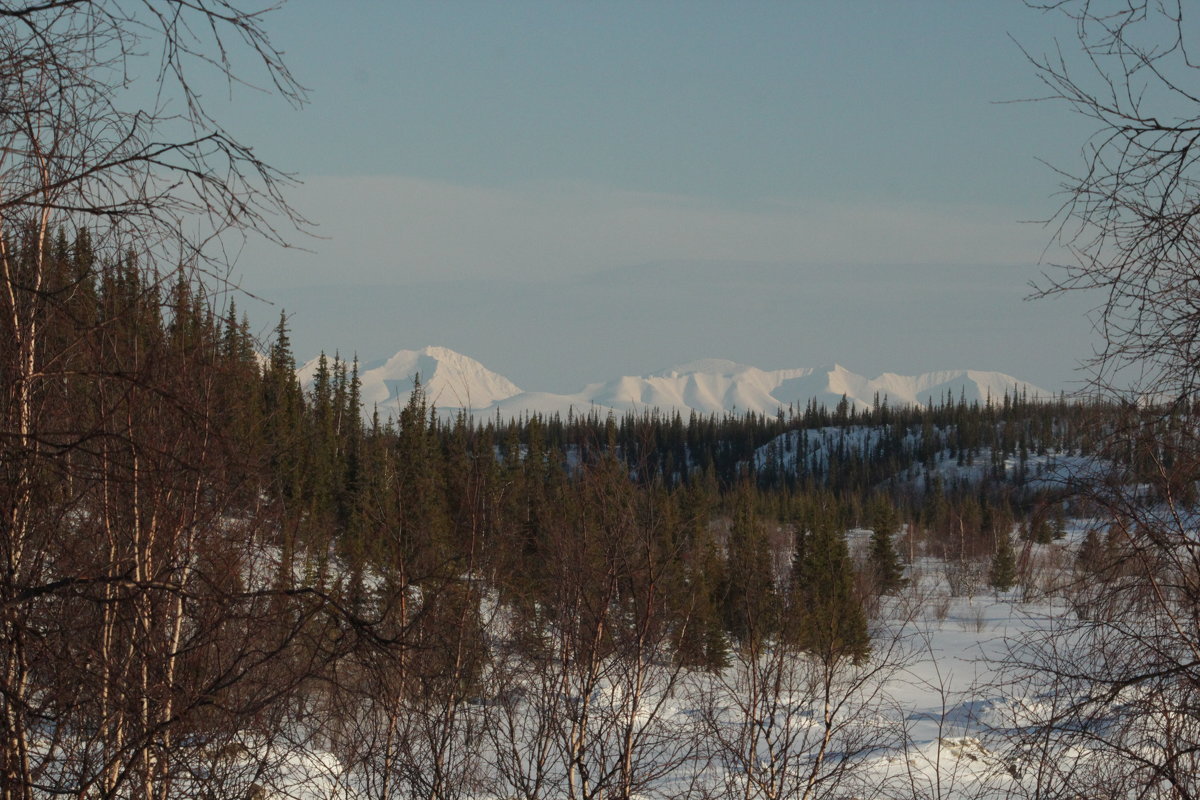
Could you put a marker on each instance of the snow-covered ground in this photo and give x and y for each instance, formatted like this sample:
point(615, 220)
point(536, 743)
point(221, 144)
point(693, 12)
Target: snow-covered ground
point(933, 713)
point(811, 450)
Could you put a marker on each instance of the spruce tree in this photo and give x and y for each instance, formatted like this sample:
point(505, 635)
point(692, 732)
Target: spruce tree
point(750, 600)
point(885, 563)
point(700, 640)
point(1003, 573)
point(283, 406)
point(1038, 530)
point(1058, 522)
point(827, 617)
point(420, 543)
point(321, 468)
point(1091, 557)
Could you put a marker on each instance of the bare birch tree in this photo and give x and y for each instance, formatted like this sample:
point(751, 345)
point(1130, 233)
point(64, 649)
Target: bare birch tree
point(124, 607)
point(1124, 673)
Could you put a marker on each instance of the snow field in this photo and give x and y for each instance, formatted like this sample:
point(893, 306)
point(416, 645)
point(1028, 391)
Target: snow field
point(931, 714)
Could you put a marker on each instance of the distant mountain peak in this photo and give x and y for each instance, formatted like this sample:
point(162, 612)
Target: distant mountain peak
point(450, 380)
point(453, 382)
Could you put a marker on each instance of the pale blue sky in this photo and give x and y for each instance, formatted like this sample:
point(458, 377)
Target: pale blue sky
point(535, 144)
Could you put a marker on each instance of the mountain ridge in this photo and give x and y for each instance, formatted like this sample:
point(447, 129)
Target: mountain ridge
point(455, 382)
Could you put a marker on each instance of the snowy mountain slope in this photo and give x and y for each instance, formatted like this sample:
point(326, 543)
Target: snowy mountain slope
point(453, 381)
point(716, 386)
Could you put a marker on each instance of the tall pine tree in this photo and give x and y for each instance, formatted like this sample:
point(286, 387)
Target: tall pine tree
point(827, 618)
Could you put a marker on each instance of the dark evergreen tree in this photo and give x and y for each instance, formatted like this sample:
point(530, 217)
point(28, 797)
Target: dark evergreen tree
point(886, 569)
point(1092, 556)
point(283, 409)
point(827, 617)
point(750, 602)
point(420, 546)
point(700, 639)
point(1003, 572)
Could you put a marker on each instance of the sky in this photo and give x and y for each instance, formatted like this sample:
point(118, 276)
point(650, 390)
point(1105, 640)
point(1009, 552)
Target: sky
point(569, 191)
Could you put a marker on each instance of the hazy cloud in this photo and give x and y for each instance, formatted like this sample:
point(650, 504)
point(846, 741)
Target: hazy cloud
point(397, 229)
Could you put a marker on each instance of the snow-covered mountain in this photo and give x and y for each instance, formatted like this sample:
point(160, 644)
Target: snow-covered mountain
point(453, 381)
